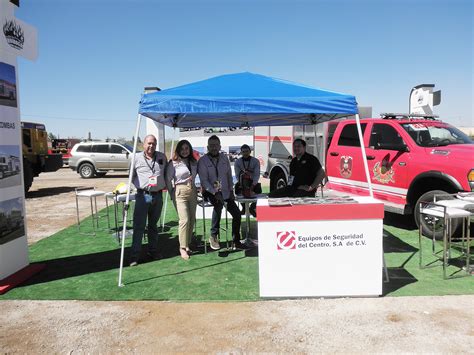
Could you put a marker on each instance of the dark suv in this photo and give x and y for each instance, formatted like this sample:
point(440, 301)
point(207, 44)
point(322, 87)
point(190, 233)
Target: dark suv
point(91, 159)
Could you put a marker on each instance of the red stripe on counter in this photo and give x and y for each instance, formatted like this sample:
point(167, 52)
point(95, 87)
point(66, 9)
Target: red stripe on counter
point(343, 211)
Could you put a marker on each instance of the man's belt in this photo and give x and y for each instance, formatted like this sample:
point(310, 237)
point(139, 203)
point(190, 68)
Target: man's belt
point(146, 192)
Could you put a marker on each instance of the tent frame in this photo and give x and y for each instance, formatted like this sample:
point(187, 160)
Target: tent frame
point(240, 121)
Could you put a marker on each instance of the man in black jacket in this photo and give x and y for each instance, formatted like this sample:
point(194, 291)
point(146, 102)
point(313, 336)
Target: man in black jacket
point(306, 173)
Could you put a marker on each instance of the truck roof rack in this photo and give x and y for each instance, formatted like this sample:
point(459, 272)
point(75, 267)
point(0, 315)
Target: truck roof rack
point(407, 116)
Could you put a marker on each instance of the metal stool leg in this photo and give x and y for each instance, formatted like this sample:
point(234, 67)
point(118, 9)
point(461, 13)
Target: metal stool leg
point(204, 237)
point(387, 278)
point(77, 211)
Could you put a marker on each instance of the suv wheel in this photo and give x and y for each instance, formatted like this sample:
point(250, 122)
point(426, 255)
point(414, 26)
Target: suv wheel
point(432, 224)
point(86, 170)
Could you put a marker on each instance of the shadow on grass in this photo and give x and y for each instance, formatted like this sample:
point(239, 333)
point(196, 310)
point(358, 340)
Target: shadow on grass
point(184, 271)
point(399, 221)
point(78, 265)
point(399, 276)
point(49, 191)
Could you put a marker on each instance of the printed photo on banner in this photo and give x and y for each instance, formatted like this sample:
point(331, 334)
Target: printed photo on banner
point(12, 224)
point(7, 85)
point(10, 166)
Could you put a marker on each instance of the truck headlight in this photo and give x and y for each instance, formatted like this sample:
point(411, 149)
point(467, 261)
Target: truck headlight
point(470, 178)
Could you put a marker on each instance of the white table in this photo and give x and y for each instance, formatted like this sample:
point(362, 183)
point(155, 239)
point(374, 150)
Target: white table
point(321, 249)
point(91, 194)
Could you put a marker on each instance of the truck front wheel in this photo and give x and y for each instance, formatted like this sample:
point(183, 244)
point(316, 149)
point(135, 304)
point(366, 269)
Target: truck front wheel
point(430, 225)
point(86, 170)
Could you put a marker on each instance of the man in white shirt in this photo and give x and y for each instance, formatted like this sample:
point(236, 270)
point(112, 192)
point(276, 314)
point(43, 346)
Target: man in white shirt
point(149, 179)
point(215, 174)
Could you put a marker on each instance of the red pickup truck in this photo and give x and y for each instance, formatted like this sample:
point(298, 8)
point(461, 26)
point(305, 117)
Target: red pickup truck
point(410, 159)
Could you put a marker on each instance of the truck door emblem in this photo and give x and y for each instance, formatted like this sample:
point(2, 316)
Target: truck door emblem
point(345, 166)
point(383, 172)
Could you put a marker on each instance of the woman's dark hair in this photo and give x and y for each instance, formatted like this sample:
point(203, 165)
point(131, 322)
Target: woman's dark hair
point(303, 143)
point(180, 144)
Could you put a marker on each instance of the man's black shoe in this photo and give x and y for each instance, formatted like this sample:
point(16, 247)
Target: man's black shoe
point(238, 245)
point(133, 262)
point(154, 256)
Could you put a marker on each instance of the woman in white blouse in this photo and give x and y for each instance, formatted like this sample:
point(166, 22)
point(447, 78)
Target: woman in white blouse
point(180, 175)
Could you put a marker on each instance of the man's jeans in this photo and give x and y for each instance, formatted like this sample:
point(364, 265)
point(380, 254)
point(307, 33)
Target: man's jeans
point(142, 212)
point(216, 215)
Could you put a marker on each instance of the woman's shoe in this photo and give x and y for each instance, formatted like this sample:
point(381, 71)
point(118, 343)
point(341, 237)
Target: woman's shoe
point(184, 254)
point(189, 251)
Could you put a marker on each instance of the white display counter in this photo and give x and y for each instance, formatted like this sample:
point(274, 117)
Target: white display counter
point(321, 250)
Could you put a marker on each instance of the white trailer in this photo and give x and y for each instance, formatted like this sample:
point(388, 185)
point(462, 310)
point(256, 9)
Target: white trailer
point(274, 146)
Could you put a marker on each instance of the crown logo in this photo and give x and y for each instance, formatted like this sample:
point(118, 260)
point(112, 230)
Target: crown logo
point(14, 34)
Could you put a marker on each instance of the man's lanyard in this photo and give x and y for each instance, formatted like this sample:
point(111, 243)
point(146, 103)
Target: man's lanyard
point(215, 165)
point(246, 167)
point(152, 167)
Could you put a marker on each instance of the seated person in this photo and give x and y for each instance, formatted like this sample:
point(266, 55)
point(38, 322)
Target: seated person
point(215, 174)
point(247, 171)
point(306, 173)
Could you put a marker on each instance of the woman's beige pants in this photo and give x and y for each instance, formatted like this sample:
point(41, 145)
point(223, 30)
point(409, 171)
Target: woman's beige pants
point(186, 201)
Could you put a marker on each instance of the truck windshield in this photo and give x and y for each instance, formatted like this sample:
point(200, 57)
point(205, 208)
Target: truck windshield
point(435, 134)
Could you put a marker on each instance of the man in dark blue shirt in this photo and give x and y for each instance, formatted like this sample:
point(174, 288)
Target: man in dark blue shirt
point(306, 173)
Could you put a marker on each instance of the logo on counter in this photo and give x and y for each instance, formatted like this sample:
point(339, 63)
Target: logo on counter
point(286, 240)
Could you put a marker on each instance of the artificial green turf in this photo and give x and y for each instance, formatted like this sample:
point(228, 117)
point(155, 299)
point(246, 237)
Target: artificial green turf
point(86, 268)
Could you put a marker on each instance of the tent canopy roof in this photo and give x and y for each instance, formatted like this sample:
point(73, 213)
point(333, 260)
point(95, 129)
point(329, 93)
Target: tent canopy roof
point(245, 99)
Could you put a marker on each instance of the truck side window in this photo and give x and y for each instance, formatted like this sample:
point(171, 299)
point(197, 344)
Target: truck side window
point(27, 138)
point(100, 148)
point(349, 136)
point(384, 133)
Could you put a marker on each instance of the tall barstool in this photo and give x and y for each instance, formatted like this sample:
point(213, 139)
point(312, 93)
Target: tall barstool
point(91, 193)
point(446, 214)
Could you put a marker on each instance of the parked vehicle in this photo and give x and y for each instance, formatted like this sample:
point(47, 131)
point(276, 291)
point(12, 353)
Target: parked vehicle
point(36, 158)
point(63, 147)
point(9, 165)
point(410, 159)
point(91, 158)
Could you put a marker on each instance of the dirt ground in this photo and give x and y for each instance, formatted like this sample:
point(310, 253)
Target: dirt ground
point(404, 324)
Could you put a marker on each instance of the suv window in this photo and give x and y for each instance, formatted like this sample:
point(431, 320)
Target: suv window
point(84, 148)
point(384, 133)
point(117, 149)
point(100, 148)
point(349, 136)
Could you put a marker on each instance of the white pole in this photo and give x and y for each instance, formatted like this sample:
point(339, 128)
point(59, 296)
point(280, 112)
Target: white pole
point(364, 156)
point(166, 196)
point(127, 200)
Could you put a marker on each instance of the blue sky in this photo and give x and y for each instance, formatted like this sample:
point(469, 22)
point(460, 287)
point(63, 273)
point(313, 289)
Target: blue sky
point(95, 57)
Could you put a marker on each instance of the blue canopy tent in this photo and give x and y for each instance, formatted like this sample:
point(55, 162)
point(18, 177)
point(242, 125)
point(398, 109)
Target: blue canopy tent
point(245, 99)
point(242, 100)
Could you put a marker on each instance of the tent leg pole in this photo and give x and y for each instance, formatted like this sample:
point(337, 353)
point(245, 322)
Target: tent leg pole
point(166, 199)
point(127, 200)
point(364, 155)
